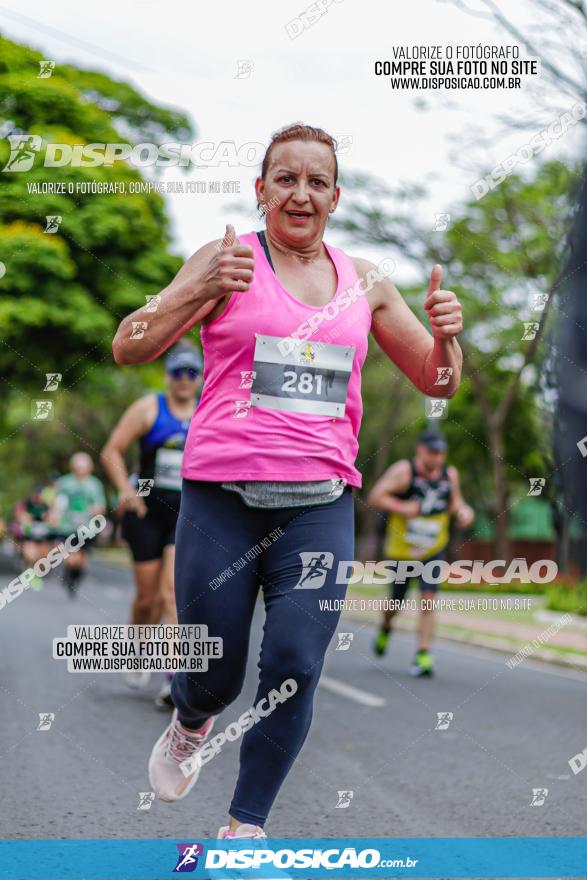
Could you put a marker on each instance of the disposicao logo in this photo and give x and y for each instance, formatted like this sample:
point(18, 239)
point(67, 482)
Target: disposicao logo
point(187, 859)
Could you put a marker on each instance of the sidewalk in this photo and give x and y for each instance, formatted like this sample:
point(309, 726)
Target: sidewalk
point(533, 629)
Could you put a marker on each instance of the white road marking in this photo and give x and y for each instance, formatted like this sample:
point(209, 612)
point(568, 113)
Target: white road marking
point(350, 692)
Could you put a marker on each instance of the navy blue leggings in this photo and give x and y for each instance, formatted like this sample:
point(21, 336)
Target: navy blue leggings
point(215, 532)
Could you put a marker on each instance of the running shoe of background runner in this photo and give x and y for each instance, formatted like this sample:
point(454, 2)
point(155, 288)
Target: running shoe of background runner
point(137, 679)
point(380, 643)
point(423, 664)
point(70, 578)
point(164, 700)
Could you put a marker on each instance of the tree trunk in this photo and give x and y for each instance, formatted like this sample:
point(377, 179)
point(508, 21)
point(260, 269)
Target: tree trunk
point(369, 540)
point(562, 526)
point(501, 512)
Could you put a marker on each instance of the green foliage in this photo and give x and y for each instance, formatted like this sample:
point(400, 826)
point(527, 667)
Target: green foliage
point(64, 293)
point(571, 598)
point(393, 411)
point(85, 102)
point(496, 253)
point(82, 420)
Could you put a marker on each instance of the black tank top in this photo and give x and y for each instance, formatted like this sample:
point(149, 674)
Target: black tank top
point(435, 495)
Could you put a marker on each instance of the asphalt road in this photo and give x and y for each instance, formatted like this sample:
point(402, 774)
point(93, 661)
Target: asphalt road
point(373, 733)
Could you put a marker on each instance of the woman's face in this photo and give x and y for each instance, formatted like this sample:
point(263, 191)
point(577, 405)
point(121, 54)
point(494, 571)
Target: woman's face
point(298, 191)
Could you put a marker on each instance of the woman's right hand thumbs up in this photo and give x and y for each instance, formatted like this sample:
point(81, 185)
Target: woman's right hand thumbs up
point(230, 269)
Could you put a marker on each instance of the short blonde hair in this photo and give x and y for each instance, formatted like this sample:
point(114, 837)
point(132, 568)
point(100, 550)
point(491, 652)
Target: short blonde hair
point(300, 132)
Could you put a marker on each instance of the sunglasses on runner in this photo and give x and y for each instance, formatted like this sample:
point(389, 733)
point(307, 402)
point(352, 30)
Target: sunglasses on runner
point(180, 372)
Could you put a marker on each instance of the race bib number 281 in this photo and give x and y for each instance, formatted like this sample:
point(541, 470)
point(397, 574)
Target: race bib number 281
point(312, 377)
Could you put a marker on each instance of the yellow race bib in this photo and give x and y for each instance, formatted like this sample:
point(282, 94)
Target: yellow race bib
point(418, 538)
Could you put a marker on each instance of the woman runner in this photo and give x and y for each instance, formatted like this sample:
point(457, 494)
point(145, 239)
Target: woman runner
point(269, 463)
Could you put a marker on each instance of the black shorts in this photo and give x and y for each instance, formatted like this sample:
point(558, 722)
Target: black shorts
point(398, 591)
point(60, 538)
point(42, 536)
point(148, 537)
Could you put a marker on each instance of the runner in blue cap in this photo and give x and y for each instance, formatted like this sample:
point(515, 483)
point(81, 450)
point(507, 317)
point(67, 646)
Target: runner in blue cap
point(149, 506)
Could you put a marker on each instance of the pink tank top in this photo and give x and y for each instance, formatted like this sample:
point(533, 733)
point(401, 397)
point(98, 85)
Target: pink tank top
point(282, 383)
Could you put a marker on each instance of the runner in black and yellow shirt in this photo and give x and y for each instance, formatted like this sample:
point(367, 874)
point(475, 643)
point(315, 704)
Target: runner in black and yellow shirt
point(420, 497)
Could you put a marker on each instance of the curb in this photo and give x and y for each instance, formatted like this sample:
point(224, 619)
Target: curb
point(497, 644)
point(577, 621)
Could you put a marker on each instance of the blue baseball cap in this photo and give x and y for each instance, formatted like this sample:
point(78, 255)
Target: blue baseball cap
point(183, 356)
point(433, 440)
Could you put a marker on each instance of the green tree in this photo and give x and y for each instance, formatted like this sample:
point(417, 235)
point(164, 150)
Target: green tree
point(63, 293)
point(499, 254)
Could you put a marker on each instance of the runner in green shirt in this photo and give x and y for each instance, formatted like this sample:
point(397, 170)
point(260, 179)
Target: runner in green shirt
point(79, 497)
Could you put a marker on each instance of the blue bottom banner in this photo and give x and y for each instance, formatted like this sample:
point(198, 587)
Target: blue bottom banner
point(307, 858)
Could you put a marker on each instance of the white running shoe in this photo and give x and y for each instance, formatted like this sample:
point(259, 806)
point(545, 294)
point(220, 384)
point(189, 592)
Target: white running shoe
point(175, 762)
point(137, 680)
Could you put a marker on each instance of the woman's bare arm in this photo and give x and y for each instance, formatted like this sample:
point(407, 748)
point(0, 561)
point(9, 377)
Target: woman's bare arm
point(211, 274)
point(421, 356)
